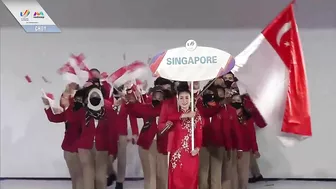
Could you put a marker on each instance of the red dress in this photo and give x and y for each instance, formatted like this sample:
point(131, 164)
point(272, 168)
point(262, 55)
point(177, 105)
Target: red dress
point(183, 167)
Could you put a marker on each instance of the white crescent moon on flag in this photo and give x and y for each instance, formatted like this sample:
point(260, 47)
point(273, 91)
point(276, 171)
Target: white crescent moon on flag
point(285, 28)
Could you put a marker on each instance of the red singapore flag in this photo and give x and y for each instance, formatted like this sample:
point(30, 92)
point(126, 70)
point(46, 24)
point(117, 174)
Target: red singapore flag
point(273, 70)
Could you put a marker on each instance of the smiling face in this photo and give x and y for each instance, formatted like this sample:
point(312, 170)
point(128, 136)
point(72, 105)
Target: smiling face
point(184, 100)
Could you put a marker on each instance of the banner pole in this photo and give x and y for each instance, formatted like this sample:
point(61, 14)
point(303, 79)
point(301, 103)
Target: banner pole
point(192, 119)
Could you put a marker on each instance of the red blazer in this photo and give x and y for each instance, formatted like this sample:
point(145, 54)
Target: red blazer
point(104, 135)
point(246, 134)
point(148, 113)
point(214, 133)
point(169, 106)
point(147, 98)
point(206, 113)
point(121, 120)
point(107, 89)
point(258, 118)
point(113, 133)
point(72, 130)
point(229, 122)
point(206, 132)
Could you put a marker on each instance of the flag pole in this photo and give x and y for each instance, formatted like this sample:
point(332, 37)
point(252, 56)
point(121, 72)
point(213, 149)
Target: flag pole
point(205, 88)
point(192, 119)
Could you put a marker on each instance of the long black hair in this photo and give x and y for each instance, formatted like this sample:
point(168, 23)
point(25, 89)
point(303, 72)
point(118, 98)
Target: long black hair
point(183, 87)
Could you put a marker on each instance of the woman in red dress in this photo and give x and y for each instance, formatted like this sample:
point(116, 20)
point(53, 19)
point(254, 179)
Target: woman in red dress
point(183, 160)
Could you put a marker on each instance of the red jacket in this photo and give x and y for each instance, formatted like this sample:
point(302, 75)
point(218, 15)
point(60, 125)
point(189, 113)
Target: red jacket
point(104, 135)
point(148, 113)
point(214, 134)
point(121, 120)
point(147, 98)
point(107, 90)
point(72, 130)
point(222, 127)
point(113, 133)
point(258, 118)
point(169, 106)
point(246, 134)
point(229, 128)
point(206, 132)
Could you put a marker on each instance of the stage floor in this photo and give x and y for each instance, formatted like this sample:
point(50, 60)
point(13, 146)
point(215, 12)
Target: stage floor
point(24, 184)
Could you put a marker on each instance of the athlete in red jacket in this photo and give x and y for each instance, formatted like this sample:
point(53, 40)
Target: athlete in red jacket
point(154, 167)
point(247, 144)
point(95, 119)
point(71, 135)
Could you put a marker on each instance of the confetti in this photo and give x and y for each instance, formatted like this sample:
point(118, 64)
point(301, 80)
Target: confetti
point(51, 96)
point(45, 79)
point(28, 79)
point(124, 56)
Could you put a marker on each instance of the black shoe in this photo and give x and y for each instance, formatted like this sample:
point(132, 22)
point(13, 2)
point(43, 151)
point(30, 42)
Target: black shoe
point(119, 185)
point(252, 180)
point(256, 179)
point(259, 178)
point(110, 179)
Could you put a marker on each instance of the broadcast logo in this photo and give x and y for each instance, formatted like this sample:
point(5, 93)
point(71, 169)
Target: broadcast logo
point(24, 15)
point(39, 15)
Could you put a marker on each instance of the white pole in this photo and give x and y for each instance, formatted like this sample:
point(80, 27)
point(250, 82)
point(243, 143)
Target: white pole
point(192, 119)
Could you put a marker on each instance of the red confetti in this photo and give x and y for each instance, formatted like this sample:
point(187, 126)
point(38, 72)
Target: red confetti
point(51, 96)
point(28, 79)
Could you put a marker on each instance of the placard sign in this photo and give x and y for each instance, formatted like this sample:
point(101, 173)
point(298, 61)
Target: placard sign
point(192, 63)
